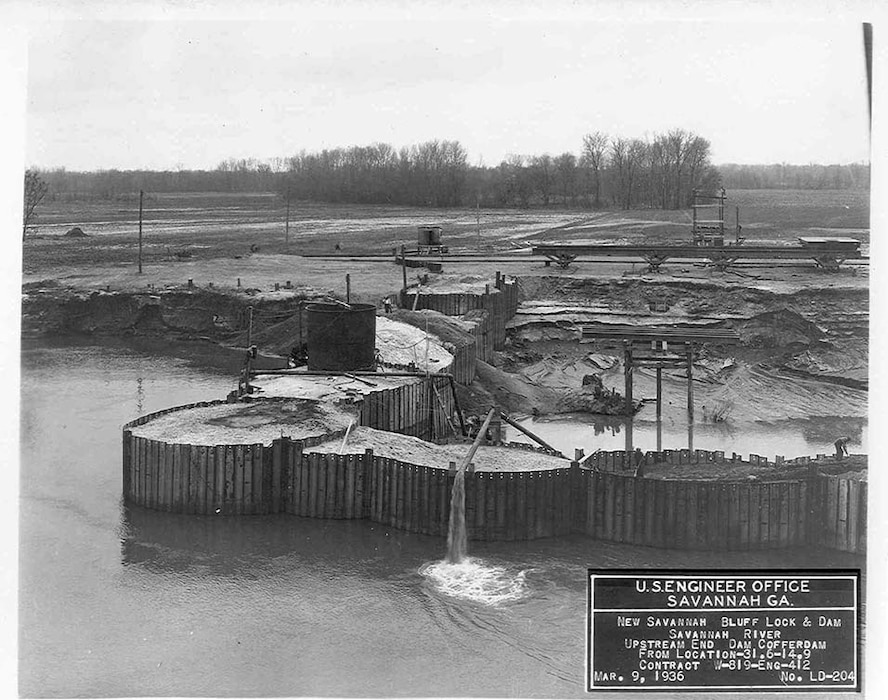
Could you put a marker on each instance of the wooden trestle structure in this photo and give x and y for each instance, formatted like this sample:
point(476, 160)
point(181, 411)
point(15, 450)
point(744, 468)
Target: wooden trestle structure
point(659, 347)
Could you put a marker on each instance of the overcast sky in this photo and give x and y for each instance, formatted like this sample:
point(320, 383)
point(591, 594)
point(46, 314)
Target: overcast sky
point(190, 93)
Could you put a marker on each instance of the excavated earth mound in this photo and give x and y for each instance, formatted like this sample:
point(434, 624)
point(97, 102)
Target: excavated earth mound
point(245, 423)
point(415, 451)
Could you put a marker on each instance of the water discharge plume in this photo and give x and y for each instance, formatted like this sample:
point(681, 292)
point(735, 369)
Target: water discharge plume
point(457, 545)
point(473, 580)
point(456, 529)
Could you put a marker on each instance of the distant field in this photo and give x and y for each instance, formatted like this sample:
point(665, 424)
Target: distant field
point(227, 225)
point(766, 216)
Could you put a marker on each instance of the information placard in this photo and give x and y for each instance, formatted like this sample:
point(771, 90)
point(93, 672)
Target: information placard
point(729, 630)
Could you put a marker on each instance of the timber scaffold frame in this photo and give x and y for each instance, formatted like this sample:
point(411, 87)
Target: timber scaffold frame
point(659, 347)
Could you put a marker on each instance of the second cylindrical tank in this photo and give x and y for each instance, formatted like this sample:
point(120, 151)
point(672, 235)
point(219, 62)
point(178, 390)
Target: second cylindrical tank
point(341, 338)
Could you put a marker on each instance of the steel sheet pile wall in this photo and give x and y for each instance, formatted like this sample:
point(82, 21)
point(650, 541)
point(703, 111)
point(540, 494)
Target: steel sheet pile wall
point(518, 505)
point(500, 305)
point(480, 321)
point(282, 477)
point(603, 498)
point(839, 513)
point(613, 504)
point(694, 514)
point(245, 479)
point(463, 367)
point(423, 409)
point(416, 498)
point(323, 485)
point(199, 479)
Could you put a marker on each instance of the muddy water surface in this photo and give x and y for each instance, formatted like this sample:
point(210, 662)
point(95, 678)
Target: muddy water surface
point(118, 601)
point(788, 438)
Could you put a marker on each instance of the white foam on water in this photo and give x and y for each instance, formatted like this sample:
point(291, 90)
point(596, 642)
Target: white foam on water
point(472, 579)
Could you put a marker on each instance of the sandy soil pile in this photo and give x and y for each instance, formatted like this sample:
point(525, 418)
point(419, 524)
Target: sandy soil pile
point(448, 329)
point(464, 284)
point(415, 451)
point(323, 388)
point(245, 423)
point(550, 392)
point(400, 344)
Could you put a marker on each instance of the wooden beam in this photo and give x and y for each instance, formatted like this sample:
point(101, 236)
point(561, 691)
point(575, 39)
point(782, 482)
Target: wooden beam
point(532, 436)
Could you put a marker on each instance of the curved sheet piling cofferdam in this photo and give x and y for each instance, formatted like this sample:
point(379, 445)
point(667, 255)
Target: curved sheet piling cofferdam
point(312, 470)
point(283, 478)
point(310, 478)
point(282, 475)
point(214, 456)
point(815, 509)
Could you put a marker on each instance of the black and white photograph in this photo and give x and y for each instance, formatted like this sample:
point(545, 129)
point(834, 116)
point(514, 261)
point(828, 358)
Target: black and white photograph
point(443, 350)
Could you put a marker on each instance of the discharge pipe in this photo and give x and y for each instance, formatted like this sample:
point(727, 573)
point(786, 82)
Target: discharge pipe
point(475, 445)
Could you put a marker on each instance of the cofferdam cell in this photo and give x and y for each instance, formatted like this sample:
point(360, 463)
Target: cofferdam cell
point(386, 440)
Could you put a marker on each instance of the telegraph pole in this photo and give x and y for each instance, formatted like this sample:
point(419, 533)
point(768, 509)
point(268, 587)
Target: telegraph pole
point(287, 229)
point(141, 195)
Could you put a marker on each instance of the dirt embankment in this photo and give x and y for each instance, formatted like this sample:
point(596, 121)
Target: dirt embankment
point(818, 332)
point(802, 354)
point(173, 313)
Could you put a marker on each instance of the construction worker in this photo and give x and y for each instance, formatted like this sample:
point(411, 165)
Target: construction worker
point(243, 385)
point(298, 356)
point(842, 447)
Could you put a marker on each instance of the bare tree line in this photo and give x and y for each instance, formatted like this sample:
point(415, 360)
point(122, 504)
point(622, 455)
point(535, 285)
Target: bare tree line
point(608, 172)
point(854, 176)
point(432, 174)
point(624, 173)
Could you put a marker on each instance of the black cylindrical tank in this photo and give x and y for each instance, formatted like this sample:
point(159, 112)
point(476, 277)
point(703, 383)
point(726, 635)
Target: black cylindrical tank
point(341, 338)
point(423, 235)
point(435, 236)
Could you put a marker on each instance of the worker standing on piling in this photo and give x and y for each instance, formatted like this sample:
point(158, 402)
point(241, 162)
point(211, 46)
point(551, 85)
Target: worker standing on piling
point(842, 447)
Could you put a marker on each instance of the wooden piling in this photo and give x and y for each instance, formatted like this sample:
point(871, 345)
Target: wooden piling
point(659, 396)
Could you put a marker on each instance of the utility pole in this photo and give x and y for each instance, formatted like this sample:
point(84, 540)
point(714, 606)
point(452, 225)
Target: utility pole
point(141, 195)
point(287, 229)
point(404, 269)
point(478, 218)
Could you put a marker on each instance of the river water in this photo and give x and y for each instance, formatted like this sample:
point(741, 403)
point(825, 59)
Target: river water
point(118, 601)
point(788, 438)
